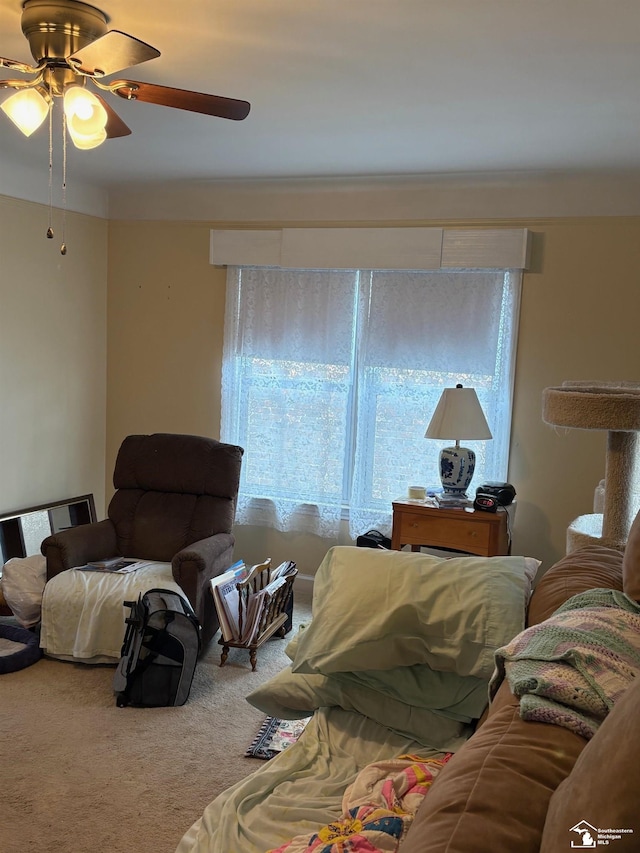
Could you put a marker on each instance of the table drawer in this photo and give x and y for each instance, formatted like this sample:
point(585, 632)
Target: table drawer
point(462, 534)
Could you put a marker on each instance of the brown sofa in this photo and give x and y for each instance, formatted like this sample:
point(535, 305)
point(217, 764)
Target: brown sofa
point(175, 502)
point(522, 787)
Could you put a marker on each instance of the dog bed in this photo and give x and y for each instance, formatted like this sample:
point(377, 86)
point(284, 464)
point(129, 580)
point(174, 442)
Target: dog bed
point(18, 648)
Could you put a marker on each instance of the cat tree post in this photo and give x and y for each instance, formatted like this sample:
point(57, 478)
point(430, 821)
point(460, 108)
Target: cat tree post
point(614, 407)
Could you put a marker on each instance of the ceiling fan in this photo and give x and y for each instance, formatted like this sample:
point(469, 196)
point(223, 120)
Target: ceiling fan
point(72, 46)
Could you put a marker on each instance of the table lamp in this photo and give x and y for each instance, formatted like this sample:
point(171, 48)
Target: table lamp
point(458, 415)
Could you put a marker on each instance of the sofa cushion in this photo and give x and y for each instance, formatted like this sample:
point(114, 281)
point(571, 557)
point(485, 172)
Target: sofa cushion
point(591, 567)
point(494, 795)
point(631, 561)
point(602, 789)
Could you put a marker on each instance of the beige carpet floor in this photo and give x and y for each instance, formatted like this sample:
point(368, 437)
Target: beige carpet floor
point(79, 775)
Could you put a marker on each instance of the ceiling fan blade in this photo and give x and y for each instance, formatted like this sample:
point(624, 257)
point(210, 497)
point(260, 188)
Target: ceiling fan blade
point(181, 99)
point(115, 126)
point(110, 53)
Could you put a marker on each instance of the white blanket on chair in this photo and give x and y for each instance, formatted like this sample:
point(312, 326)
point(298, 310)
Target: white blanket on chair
point(83, 613)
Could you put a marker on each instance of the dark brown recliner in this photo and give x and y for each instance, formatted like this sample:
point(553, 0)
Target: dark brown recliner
point(175, 502)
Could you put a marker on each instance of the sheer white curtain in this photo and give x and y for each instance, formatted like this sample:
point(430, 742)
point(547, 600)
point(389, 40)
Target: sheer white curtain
point(330, 378)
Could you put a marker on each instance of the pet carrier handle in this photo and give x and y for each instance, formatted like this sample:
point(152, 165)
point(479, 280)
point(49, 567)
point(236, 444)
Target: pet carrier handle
point(135, 617)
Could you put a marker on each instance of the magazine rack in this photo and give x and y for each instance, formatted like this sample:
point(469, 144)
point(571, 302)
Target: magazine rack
point(270, 616)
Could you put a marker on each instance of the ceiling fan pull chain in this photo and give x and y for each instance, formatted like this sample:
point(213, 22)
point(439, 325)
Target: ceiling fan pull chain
point(50, 228)
point(63, 245)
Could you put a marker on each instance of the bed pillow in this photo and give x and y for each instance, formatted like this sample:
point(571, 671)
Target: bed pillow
point(459, 697)
point(382, 609)
point(292, 696)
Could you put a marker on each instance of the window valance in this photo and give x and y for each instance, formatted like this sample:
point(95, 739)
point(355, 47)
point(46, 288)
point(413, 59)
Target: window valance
point(373, 248)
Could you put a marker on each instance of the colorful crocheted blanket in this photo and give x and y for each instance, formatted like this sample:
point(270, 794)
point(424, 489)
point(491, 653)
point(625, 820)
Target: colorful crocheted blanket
point(378, 808)
point(572, 668)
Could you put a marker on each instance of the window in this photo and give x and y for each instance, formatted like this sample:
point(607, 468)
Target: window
point(330, 378)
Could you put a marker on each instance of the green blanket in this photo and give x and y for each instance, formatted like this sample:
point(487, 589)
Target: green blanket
point(572, 668)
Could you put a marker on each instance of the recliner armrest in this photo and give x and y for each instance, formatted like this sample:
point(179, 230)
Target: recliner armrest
point(193, 568)
point(78, 545)
point(203, 554)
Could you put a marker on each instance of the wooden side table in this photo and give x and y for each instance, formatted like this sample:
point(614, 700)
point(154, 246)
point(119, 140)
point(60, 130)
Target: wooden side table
point(485, 534)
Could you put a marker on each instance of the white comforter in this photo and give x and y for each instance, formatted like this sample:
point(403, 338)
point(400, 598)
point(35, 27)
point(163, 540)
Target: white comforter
point(83, 613)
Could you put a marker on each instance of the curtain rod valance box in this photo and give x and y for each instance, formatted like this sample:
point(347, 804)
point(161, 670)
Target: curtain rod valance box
point(373, 248)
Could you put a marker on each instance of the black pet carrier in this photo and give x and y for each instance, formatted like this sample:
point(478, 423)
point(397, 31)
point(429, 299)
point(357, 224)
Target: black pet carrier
point(159, 652)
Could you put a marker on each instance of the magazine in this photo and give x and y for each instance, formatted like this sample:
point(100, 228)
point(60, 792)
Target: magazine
point(117, 565)
point(227, 599)
point(256, 604)
point(284, 570)
point(241, 605)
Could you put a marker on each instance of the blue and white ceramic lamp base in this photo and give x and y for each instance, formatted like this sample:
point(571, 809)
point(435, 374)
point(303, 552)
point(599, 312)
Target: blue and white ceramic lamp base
point(457, 465)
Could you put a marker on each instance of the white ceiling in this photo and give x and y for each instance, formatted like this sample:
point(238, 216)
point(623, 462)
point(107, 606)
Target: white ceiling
point(377, 88)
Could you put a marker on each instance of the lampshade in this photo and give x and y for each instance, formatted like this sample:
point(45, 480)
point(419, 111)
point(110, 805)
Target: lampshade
point(86, 141)
point(86, 117)
point(27, 109)
point(458, 415)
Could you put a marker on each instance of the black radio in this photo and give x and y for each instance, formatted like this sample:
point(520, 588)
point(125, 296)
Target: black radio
point(504, 493)
point(488, 503)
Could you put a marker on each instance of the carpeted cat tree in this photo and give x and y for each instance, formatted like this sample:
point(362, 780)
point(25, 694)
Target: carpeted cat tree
point(615, 407)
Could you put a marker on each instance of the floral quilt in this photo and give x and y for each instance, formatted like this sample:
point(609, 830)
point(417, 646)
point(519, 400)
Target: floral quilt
point(378, 808)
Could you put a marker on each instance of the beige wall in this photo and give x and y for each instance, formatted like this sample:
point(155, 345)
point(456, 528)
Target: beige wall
point(166, 314)
point(578, 321)
point(165, 321)
point(52, 356)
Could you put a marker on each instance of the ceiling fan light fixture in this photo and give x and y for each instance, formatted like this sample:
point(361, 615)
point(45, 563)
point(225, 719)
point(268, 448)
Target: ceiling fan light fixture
point(27, 109)
point(85, 141)
point(71, 44)
point(85, 114)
